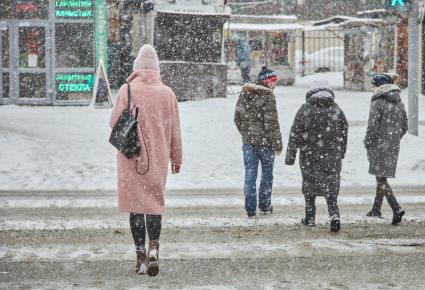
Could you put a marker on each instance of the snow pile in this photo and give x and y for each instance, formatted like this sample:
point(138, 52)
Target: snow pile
point(57, 148)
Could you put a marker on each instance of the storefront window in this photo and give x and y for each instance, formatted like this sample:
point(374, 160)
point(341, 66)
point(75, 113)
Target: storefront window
point(74, 86)
point(5, 85)
point(5, 9)
point(4, 62)
point(30, 9)
point(277, 48)
point(74, 45)
point(32, 85)
point(4, 38)
point(32, 47)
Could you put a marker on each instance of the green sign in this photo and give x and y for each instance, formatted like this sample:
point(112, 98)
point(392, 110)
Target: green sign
point(397, 2)
point(74, 83)
point(74, 8)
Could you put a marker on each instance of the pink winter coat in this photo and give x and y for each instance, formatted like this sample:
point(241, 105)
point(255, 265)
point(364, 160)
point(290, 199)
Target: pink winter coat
point(160, 131)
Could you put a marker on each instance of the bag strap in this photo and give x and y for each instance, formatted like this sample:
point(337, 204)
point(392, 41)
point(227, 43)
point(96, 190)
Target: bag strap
point(128, 97)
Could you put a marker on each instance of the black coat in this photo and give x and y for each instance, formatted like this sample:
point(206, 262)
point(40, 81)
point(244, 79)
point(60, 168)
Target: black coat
point(320, 132)
point(386, 126)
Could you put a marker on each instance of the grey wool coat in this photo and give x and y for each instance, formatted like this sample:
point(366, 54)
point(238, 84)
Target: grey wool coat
point(386, 126)
point(320, 132)
point(256, 117)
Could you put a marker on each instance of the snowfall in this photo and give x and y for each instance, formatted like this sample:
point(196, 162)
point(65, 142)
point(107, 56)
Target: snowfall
point(66, 148)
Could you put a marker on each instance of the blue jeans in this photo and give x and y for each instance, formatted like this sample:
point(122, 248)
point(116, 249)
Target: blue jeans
point(251, 155)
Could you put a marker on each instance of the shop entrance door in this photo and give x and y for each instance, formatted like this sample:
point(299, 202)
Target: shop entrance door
point(31, 54)
point(4, 63)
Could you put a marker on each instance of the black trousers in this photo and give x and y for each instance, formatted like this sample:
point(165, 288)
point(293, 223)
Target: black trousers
point(384, 189)
point(139, 223)
point(310, 206)
point(245, 75)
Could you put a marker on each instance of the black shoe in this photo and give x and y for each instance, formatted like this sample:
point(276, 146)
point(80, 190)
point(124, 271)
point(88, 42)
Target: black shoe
point(335, 225)
point(267, 210)
point(308, 222)
point(397, 215)
point(251, 215)
point(374, 213)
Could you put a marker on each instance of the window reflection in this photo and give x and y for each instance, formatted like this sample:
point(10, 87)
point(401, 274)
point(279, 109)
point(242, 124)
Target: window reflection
point(32, 85)
point(5, 9)
point(74, 45)
point(5, 85)
point(4, 38)
point(31, 47)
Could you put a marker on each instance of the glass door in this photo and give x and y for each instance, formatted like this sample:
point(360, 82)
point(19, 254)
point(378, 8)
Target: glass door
point(4, 63)
point(32, 63)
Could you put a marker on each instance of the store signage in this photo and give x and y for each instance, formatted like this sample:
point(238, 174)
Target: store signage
point(25, 6)
point(74, 8)
point(74, 83)
point(397, 3)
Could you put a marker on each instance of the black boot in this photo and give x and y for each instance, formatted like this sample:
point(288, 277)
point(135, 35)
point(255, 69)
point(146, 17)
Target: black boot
point(335, 224)
point(376, 208)
point(310, 211)
point(398, 212)
point(397, 215)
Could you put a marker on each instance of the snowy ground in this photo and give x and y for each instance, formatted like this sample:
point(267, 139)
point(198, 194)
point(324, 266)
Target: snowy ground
point(60, 229)
point(66, 148)
point(67, 241)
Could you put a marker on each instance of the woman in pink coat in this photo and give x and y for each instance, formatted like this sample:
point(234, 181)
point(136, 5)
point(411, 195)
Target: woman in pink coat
point(141, 189)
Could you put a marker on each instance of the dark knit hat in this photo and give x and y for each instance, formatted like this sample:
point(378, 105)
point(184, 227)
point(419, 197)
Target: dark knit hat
point(266, 75)
point(381, 79)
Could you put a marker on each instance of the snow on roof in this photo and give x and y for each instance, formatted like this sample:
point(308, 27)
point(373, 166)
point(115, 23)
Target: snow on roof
point(337, 22)
point(262, 27)
point(193, 13)
point(343, 19)
point(372, 11)
point(285, 17)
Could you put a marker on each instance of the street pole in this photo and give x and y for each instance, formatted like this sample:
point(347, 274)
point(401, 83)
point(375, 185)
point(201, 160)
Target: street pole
point(413, 62)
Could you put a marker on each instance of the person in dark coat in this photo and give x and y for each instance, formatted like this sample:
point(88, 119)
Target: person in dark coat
point(243, 58)
point(320, 133)
point(386, 126)
point(256, 119)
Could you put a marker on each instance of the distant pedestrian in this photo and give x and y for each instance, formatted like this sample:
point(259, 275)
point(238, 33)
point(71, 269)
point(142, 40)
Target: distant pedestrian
point(257, 121)
point(243, 58)
point(386, 126)
point(320, 132)
point(141, 183)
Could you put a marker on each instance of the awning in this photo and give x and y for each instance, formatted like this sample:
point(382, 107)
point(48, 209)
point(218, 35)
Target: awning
point(262, 27)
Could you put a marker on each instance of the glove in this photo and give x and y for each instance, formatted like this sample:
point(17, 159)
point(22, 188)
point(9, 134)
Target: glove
point(290, 160)
point(175, 168)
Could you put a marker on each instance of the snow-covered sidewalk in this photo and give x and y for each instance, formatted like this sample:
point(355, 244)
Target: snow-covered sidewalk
point(66, 148)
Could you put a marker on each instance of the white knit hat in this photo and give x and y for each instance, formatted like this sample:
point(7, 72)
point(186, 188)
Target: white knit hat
point(146, 58)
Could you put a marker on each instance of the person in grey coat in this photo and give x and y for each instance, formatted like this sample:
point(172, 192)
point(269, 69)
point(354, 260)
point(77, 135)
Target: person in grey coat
point(386, 126)
point(320, 132)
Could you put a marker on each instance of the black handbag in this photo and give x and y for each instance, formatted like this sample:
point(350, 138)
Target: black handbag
point(124, 135)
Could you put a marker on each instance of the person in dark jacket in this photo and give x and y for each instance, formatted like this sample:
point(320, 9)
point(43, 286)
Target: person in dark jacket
point(256, 119)
point(386, 126)
point(320, 133)
point(243, 58)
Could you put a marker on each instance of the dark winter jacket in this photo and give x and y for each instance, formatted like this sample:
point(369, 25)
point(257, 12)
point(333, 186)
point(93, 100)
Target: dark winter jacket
point(320, 132)
point(256, 117)
point(386, 126)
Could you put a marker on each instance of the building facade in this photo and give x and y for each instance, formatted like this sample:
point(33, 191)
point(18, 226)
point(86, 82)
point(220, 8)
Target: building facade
point(49, 50)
